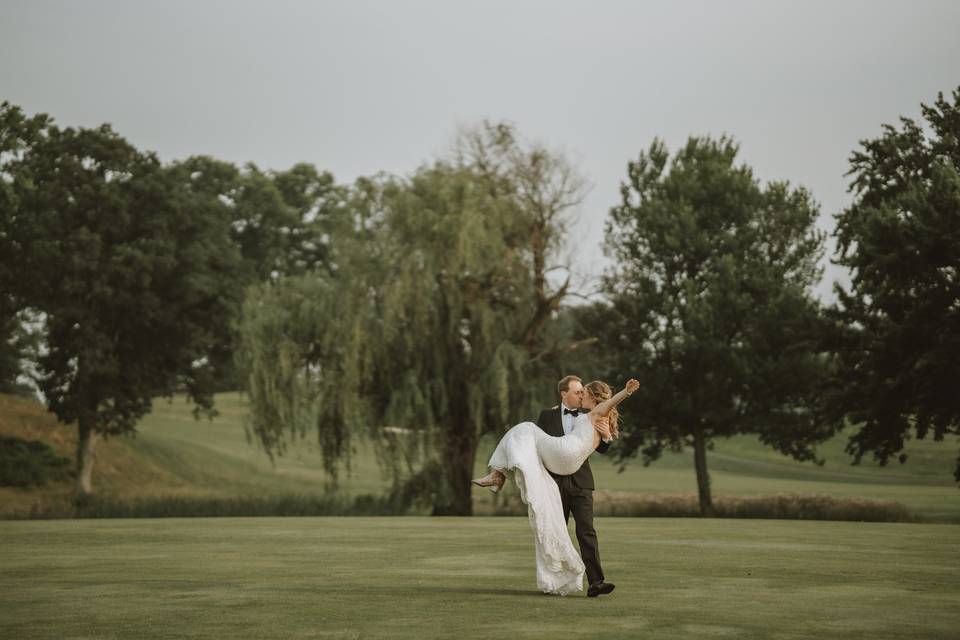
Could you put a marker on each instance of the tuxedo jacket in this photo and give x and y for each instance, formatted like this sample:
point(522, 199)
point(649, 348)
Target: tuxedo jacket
point(551, 421)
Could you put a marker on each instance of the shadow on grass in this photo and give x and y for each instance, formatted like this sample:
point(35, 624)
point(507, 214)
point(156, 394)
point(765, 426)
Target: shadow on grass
point(477, 591)
point(427, 590)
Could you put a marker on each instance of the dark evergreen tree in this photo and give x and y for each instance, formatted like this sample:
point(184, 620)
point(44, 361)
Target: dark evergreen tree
point(711, 306)
point(897, 330)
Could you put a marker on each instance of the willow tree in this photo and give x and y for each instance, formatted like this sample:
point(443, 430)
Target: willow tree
point(712, 306)
point(420, 337)
point(545, 186)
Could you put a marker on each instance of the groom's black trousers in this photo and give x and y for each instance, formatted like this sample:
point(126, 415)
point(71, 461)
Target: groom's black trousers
point(579, 502)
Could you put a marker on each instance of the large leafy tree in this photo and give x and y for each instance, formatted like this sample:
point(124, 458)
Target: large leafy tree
point(132, 275)
point(426, 335)
point(280, 222)
point(710, 306)
point(9, 324)
point(16, 132)
point(898, 327)
point(9, 353)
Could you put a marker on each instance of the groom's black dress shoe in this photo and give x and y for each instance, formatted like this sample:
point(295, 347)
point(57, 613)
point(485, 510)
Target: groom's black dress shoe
point(599, 588)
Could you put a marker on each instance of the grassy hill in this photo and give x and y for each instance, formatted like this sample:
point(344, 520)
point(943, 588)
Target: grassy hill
point(175, 454)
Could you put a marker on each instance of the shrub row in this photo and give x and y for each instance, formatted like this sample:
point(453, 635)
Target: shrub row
point(792, 506)
point(211, 507)
point(782, 506)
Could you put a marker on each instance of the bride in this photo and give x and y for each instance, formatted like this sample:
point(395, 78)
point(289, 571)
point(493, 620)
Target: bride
point(531, 453)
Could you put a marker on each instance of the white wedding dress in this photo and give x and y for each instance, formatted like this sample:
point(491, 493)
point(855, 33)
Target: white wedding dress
point(530, 452)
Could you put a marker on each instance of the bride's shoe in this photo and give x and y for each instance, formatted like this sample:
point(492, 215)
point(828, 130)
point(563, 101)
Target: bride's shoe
point(494, 480)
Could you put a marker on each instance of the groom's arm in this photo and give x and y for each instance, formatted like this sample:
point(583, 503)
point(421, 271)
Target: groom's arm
point(542, 420)
point(602, 447)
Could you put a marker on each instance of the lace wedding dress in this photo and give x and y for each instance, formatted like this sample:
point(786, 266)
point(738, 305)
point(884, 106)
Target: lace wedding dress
point(530, 452)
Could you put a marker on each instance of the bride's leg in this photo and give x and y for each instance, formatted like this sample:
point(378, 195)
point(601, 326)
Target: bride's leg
point(494, 480)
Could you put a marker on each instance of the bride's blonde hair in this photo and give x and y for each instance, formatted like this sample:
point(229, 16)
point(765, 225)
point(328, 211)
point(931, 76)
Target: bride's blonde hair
point(601, 391)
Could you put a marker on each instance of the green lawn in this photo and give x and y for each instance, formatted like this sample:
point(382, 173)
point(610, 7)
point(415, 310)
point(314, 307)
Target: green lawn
point(412, 577)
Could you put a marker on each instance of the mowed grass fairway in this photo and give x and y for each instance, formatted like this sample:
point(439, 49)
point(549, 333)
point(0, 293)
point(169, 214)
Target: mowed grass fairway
point(414, 577)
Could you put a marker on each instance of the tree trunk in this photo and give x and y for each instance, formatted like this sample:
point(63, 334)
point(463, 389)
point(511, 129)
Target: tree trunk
point(86, 453)
point(460, 449)
point(703, 478)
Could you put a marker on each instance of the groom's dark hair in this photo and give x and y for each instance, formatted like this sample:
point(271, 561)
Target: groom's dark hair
point(565, 381)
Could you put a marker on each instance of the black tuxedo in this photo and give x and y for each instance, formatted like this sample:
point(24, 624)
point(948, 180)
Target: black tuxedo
point(576, 494)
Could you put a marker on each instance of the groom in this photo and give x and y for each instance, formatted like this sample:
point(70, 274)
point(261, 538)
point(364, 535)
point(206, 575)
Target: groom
point(576, 491)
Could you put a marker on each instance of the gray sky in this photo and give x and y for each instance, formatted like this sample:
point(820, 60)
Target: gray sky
point(360, 87)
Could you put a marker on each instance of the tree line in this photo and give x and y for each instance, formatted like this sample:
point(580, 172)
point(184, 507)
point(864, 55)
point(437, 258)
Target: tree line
point(423, 312)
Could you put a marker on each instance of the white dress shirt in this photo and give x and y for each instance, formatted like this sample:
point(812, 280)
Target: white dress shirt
point(567, 421)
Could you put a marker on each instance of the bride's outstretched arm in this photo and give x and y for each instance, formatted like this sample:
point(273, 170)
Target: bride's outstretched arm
point(606, 406)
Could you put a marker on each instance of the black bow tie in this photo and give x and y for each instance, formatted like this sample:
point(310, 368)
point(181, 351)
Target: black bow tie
point(573, 412)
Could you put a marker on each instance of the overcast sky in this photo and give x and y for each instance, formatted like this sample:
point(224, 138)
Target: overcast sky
point(360, 87)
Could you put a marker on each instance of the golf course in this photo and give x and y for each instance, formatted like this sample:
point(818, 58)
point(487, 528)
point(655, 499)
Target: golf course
point(416, 576)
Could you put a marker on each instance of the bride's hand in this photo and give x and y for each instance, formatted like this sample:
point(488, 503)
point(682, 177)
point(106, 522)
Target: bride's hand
point(602, 426)
point(631, 386)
